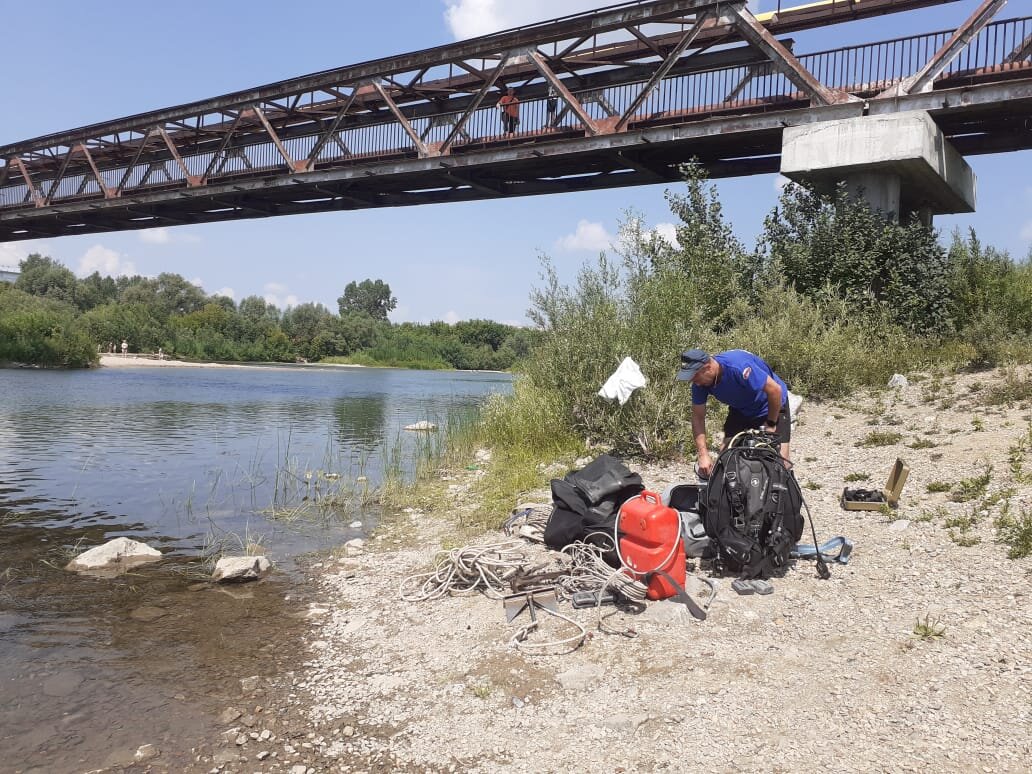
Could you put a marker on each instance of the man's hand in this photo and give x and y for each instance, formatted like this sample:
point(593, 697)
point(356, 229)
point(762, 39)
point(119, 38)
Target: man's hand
point(705, 464)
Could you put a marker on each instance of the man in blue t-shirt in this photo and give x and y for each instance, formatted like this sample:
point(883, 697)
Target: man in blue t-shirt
point(755, 394)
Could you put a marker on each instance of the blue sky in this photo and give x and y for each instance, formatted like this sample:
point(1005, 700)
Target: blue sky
point(71, 64)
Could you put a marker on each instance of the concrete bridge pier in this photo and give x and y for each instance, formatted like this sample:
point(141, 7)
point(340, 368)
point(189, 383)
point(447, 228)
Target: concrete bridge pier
point(900, 164)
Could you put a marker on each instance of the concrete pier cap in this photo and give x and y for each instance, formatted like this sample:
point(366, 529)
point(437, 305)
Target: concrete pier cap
point(899, 164)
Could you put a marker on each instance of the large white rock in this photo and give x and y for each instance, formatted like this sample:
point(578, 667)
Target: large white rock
point(241, 568)
point(114, 557)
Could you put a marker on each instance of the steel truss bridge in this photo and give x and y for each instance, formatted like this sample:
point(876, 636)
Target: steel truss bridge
point(635, 88)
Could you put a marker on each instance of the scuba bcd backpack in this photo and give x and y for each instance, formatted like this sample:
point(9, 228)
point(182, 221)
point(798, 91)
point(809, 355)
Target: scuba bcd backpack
point(753, 506)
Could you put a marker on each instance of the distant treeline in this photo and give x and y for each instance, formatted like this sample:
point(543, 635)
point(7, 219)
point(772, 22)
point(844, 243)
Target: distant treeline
point(51, 317)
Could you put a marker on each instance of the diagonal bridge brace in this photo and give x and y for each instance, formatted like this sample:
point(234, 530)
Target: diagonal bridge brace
point(923, 79)
point(759, 37)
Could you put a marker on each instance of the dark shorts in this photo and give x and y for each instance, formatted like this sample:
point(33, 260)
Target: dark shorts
point(736, 423)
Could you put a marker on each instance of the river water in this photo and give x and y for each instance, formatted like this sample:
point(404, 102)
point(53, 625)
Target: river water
point(192, 461)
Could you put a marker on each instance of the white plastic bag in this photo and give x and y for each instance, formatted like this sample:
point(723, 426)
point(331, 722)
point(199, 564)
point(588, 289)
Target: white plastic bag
point(625, 380)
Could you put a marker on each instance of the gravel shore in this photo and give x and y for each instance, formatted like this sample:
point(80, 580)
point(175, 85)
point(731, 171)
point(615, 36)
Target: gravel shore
point(820, 675)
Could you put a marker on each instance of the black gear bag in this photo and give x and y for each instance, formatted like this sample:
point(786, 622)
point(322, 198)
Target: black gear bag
point(753, 506)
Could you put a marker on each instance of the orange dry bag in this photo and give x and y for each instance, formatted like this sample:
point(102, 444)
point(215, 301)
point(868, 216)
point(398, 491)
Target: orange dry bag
point(650, 541)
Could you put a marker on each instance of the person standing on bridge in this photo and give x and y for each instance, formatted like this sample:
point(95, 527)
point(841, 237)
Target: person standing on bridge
point(757, 397)
point(509, 104)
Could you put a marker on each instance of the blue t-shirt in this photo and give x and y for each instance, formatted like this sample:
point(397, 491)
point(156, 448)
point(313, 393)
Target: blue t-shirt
point(741, 383)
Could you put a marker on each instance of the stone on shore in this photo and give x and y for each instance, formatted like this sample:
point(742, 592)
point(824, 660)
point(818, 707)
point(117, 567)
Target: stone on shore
point(237, 569)
point(114, 557)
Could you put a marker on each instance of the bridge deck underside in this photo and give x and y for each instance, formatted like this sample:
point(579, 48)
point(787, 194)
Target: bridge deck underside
point(727, 146)
point(626, 123)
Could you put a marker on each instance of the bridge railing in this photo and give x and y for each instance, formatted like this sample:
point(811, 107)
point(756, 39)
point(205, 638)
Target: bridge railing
point(862, 69)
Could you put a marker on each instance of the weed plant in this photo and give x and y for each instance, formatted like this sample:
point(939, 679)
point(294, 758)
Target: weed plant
point(1015, 532)
point(929, 628)
point(1016, 456)
point(971, 488)
point(879, 438)
point(922, 443)
point(1012, 390)
point(930, 515)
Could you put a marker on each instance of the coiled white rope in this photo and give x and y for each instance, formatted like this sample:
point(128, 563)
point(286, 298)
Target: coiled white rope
point(590, 572)
point(486, 568)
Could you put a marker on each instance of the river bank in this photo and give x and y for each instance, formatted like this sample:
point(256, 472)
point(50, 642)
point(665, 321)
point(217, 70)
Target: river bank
point(151, 361)
point(916, 655)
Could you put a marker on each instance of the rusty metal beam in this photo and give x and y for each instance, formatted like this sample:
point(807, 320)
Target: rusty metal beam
point(191, 180)
point(96, 172)
point(922, 80)
point(646, 41)
point(1021, 52)
point(132, 164)
point(28, 181)
point(60, 175)
point(704, 19)
point(331, 132)
point(413, 135)
point(571, 101)
point(291, 165)
point(757, 35)
point(222, 148)
point(472, 108)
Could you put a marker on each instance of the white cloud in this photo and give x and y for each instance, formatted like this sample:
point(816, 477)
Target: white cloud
point(278, 294)
point(227, 292)
point(155, 236)
point(13, 253)
point(108, 262)
point(667, 231)
point(588, 236)
point(165, 236)
point(470, 18)
point(451, 317)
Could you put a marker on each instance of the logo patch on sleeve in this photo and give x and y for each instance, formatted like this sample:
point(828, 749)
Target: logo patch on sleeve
point(746, 372)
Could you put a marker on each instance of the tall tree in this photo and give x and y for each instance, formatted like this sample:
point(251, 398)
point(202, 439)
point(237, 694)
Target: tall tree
point(368, 297)
point(44, 277)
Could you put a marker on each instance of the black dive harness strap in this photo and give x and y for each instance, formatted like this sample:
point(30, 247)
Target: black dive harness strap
point(682, 596)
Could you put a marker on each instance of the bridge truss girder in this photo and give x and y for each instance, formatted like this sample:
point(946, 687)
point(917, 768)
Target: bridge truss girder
point(301, 145)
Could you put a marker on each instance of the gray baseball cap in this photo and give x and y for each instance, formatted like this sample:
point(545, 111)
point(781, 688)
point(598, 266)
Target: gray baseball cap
point(691, 361)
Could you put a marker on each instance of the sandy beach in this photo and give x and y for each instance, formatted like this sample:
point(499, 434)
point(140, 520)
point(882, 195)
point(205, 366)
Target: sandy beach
point(149, 361)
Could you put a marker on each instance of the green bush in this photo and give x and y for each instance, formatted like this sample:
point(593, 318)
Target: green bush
point(835, 298)
point(42, 331)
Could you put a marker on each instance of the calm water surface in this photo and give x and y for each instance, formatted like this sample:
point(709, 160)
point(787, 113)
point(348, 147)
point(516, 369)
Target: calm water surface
point(183, 459)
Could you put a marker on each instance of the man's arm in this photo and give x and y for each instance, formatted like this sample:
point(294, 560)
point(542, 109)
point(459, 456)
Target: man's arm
point(773, 392)
point(699, 433)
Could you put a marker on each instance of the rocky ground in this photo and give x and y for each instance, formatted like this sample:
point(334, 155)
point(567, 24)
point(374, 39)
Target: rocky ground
point(915, 656)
